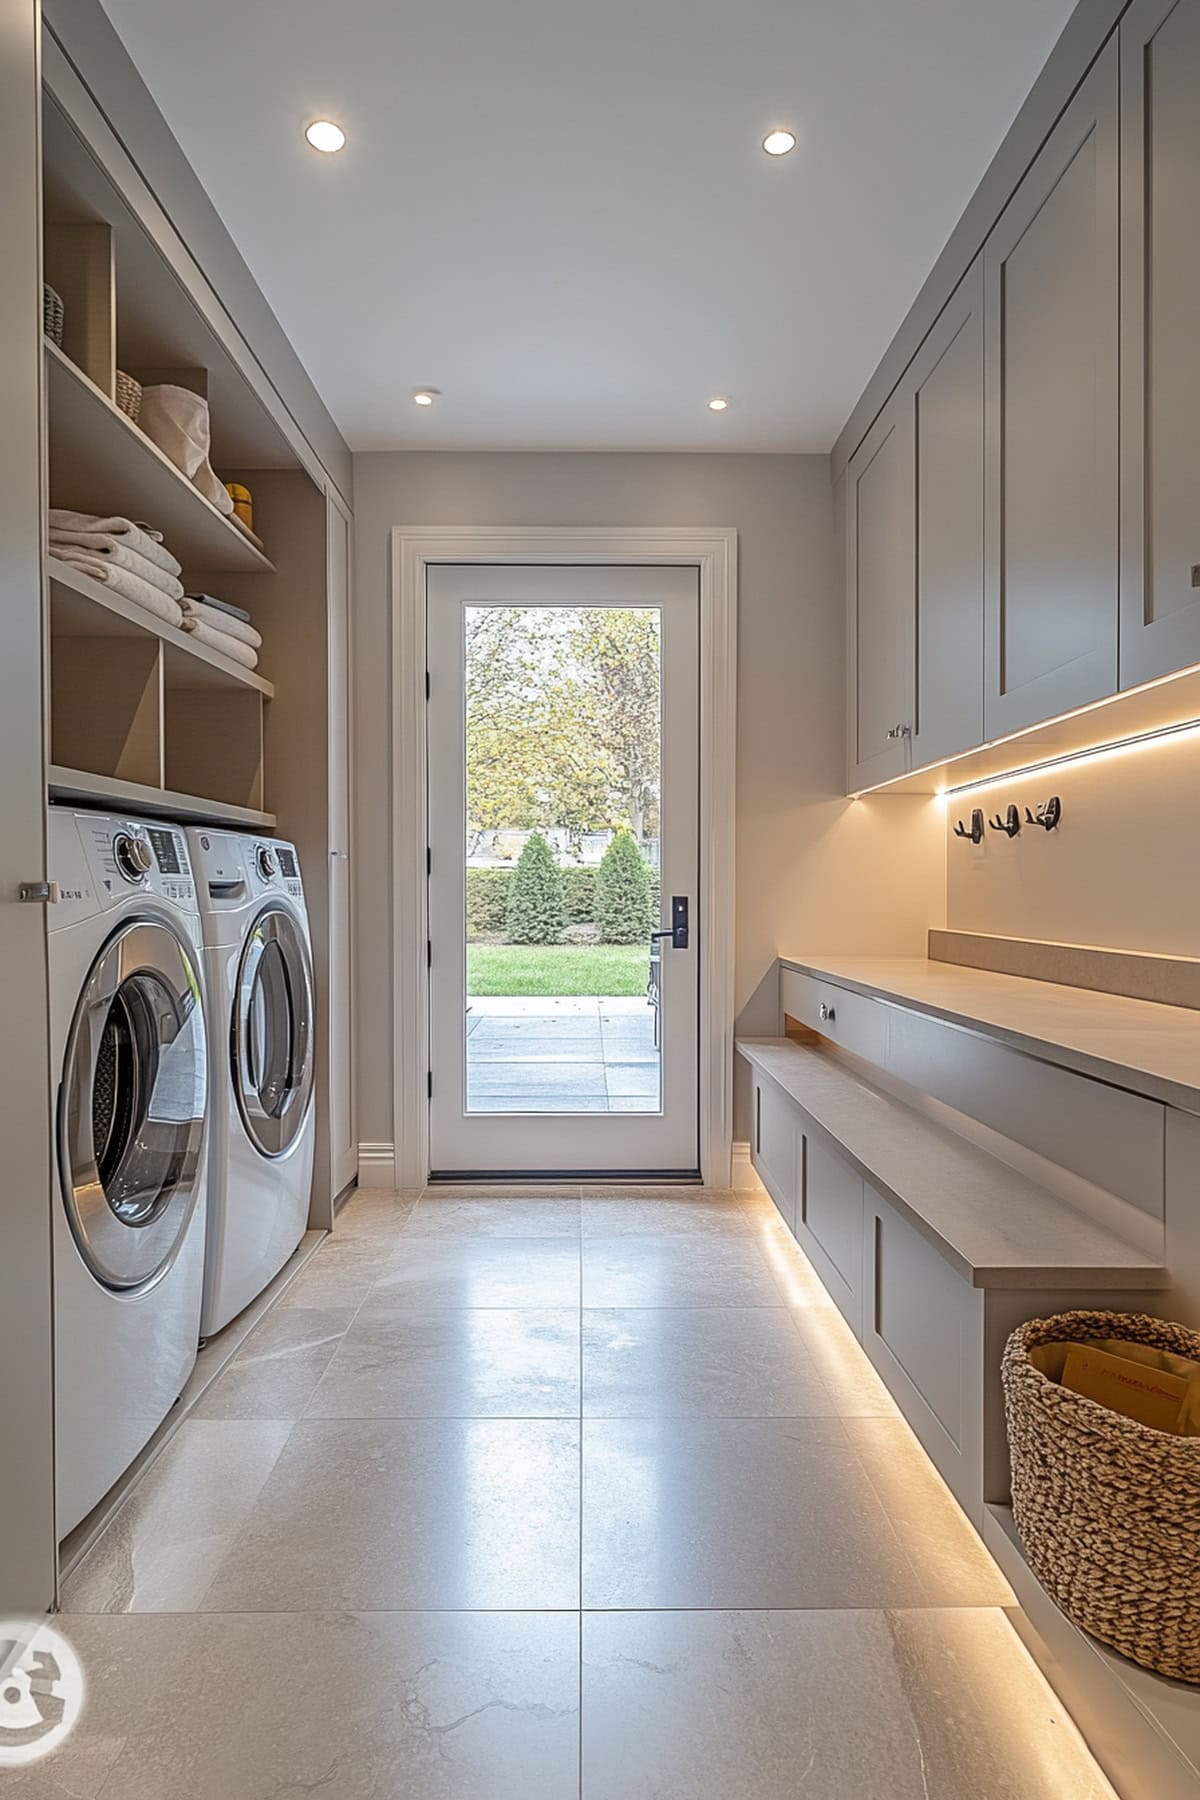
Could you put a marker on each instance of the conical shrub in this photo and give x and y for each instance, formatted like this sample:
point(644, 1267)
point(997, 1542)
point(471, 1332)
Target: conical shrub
point(623, 892)
point(535, 901)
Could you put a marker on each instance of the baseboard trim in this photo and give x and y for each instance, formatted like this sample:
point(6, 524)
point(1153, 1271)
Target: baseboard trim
point(377, 1165)
point(745, 1175)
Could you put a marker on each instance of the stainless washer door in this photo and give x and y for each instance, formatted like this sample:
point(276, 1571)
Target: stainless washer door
point(271, 1037)
point(132, 1105)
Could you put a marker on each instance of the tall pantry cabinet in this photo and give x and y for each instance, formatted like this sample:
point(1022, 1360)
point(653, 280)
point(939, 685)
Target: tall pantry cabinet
point(27, 1546)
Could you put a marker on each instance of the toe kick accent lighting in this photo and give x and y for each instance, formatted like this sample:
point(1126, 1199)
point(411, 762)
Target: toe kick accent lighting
point(324, 135)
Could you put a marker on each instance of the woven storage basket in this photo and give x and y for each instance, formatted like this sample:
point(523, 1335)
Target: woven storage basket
point(1108, 1509)
point(129, 395)
point(52, 314)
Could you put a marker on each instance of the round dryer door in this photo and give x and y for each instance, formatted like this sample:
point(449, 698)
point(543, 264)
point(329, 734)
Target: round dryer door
point(272, 1031)
point(132, 1105)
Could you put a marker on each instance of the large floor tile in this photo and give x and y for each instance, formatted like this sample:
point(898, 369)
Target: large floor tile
point(166, 1543)
point(949, 1556)
point(690, 1270)
point(843, 1365)
point(274, 1373)
point(549, 1215)
point(735, 1513)
point(342, 1272)
point(456, 1363)
point(505, 1272)
point(381, 1514)
point(124, 1659)
point(678, 1362)
point(821, 1705)
point(666, 1214)
point(412, 1706)
point(371, 1213)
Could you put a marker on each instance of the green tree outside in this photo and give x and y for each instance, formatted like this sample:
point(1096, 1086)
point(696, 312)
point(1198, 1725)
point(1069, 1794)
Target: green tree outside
point(623, 892)
point(535, 902)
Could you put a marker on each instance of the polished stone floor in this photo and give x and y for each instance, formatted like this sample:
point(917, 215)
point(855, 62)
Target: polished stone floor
point(551, 1495)
point(561, 1055)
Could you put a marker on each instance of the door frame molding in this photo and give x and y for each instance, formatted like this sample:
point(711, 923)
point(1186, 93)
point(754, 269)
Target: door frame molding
point(713, 552)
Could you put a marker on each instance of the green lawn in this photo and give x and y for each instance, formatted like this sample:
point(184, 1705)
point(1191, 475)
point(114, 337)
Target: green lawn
point(557, 969)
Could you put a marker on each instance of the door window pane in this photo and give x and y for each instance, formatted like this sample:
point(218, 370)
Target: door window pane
point(562, 809)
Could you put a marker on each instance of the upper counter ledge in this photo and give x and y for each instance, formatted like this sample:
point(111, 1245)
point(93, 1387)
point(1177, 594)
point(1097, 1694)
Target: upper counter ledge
point(1135, 1044)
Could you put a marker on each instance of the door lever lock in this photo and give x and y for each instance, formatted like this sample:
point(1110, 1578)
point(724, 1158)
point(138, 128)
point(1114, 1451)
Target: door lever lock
point(678, 933)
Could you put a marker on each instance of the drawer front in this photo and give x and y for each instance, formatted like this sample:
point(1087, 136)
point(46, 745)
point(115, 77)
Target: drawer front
point(1103, 1134)
point(829, 1224)
point(850, 1020)
point(775, 1147)
point(922, 1331)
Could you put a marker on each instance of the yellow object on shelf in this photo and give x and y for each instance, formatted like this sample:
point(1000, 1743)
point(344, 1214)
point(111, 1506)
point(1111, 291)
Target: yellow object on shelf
point(243, 502)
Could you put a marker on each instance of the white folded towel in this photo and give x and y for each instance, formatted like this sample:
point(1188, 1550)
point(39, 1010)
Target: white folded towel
point(222, 641)
point(217, 620)
point(142, 538)
point(103, 548)
point(121, 581)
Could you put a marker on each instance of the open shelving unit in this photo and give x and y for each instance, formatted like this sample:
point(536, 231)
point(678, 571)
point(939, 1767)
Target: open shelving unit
point(99, 458)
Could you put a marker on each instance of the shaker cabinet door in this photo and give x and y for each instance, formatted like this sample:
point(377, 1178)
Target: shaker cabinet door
point(880, 578)
point(1160, 370)
point(946, 389)
point(1051, 272)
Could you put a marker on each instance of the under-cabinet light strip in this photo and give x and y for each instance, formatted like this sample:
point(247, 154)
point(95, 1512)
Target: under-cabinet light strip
point(1069, 757)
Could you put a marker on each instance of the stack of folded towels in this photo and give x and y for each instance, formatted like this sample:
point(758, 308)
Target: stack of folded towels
point(131, 559)
point(222, 627)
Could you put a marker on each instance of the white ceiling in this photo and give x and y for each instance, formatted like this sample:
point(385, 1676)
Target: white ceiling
point(559, 214)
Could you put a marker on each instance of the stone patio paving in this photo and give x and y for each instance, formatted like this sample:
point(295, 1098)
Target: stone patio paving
point(561, 1055)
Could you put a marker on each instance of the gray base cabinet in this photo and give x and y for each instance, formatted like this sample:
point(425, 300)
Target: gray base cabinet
point(1160, 370)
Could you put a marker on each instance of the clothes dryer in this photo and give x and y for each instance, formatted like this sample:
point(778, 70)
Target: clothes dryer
point(258, 958)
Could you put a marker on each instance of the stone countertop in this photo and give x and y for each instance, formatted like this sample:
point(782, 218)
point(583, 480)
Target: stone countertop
point(1135, 1044)
point(993, 1225)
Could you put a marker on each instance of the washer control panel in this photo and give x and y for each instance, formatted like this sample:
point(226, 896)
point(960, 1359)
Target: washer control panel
point(98, 859)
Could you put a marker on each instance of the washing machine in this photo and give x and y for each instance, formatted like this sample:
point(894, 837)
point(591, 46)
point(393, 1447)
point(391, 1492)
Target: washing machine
point(258, 957)
point(129, 1048)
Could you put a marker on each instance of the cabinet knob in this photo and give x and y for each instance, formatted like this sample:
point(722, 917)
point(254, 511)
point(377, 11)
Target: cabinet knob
point(826, 1013)
point(900, 731)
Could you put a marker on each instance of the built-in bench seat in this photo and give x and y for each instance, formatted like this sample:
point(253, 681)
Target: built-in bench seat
point(932, 1248)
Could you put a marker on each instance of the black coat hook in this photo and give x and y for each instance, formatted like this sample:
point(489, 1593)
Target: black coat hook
point(1047, 815)
point(1010, 823)
point(976, 832)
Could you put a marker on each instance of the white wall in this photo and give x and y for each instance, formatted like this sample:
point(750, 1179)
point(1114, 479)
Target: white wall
point(1121, 872)
point(815, 871)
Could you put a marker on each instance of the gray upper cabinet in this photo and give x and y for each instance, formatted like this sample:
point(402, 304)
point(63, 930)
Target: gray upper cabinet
point(881, 593)
point(914, 557)
point(1160, 370)
point(1051, 298)
point(945, 386)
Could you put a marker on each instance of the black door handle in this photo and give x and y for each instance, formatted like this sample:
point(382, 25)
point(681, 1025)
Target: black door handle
point(678, 933)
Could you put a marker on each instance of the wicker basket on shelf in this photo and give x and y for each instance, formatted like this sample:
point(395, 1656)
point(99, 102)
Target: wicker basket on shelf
point(1107, 1508)
point(129, 395)
point(52, 314)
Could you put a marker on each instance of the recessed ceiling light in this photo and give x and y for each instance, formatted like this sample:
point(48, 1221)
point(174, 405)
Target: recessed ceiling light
point(779, 142)
point(718, 403)
point(323, 134)
point(426, 396)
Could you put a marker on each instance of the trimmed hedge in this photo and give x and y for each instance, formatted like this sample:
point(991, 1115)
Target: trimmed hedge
point(488, 892)
point(487, 901)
